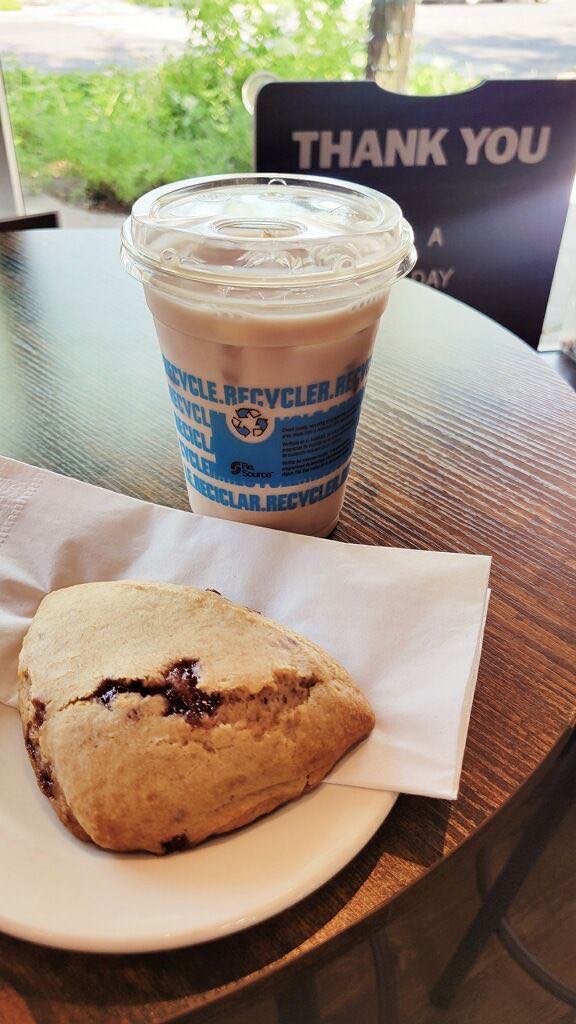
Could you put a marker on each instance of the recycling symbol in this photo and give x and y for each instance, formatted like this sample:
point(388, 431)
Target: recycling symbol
point(249, 423)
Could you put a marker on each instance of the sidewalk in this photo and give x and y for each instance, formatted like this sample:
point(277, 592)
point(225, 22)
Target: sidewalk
point(73, 34)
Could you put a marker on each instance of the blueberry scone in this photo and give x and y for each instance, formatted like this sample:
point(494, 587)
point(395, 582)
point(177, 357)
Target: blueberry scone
point(156, 716)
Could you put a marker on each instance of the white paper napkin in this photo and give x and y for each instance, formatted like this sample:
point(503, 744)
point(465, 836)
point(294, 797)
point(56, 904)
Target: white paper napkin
point(407, 624)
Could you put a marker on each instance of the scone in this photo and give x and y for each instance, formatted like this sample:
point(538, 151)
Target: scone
point(156, 716)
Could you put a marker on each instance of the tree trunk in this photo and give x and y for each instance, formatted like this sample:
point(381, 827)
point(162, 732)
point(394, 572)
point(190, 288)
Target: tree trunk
point(389, 43)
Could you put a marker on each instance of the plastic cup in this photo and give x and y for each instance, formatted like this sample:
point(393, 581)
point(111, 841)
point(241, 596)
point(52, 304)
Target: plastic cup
point(267, 293)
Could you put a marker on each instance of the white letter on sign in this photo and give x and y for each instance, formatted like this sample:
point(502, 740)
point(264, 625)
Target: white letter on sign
point(494, 153)
point(305, 140)
point(436, 237)
point(368, 150)
point(526, 154)
point(397, 146)
point(474, 143)
point(430, 147)
point(342, 150)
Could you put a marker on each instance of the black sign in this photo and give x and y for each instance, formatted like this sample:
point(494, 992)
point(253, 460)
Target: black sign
point(484, 176)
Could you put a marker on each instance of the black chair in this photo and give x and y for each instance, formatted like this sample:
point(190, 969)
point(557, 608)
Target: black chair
point(557, 796)
point(298, 1003)
point(33, 220)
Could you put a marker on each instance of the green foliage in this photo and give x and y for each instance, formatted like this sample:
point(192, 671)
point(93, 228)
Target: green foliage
point(437, 80)
point(10, 5)
point(114, 134)
point(295, 39)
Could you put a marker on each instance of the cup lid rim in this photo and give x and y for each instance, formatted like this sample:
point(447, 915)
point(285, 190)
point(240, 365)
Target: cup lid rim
point(152, 220)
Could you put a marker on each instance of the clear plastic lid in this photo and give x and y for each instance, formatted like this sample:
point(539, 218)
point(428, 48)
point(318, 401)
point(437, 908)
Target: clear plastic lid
point(258, 230)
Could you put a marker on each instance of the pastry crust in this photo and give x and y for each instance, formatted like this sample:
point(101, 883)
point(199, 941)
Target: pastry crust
point(158, 715)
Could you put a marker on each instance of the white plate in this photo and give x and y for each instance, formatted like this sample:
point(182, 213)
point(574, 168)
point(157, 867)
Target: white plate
point(59, 891)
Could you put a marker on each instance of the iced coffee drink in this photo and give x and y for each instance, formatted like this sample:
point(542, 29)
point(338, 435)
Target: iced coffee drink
point(266, 295)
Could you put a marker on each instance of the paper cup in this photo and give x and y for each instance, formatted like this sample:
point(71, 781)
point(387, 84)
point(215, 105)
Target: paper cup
point(267, 294)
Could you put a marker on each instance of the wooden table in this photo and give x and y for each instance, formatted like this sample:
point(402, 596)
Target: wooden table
point(467, 443)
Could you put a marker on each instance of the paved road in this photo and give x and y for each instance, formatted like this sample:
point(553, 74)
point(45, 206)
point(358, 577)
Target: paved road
point(514, 39)
point(67, 34)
